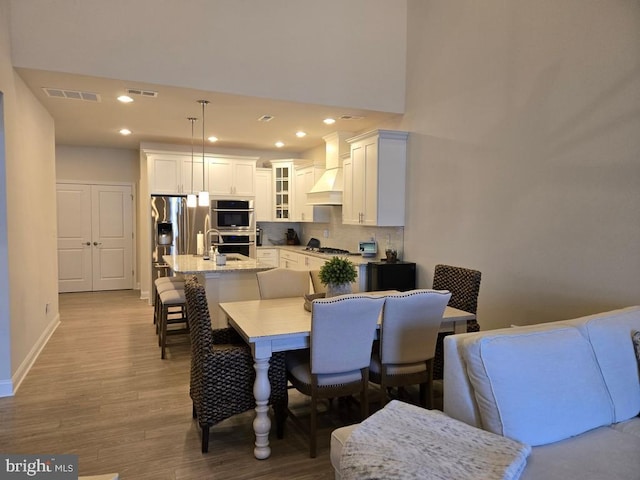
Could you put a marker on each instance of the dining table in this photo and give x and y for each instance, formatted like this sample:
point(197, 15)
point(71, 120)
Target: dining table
point(282, 324)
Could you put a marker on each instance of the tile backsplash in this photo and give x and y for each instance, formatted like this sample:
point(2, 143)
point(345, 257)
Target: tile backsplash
point(338, 235)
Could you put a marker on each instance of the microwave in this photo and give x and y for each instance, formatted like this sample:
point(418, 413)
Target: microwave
point(232, 215)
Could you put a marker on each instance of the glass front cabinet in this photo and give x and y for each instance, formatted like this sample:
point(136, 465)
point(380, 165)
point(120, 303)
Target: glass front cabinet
point(282, 190)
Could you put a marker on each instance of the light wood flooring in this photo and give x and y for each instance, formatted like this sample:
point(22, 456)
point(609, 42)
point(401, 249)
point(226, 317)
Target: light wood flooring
point(100, 390)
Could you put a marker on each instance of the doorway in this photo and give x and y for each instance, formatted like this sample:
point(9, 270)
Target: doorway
point(95, 237)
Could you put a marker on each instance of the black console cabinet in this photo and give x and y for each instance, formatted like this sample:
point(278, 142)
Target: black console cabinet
point(391, 276)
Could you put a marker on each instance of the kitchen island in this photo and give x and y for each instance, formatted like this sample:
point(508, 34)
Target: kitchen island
point(234, 281)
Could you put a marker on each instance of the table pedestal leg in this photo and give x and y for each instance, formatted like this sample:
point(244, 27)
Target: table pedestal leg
point(262, 423)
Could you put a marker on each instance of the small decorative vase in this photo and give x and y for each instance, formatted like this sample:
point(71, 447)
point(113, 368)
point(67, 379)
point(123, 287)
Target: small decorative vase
point(335, 289)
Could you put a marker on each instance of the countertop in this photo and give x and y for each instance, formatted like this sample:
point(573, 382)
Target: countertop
point(356, 259)
point(190, 264)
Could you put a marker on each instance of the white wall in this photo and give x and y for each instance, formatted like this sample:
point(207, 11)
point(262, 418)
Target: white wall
point(87, 164)
point(30, 225)
point(525, 153)
point(334, 52)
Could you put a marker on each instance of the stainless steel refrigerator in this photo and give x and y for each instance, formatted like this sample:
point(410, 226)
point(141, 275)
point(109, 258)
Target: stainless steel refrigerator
point(174, 229)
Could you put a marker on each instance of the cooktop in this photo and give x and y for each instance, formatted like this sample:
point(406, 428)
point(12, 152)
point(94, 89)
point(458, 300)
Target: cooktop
point(330, 250)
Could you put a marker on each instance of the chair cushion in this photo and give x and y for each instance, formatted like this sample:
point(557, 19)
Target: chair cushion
point(537, 385)
point(168, 286)
point(610, 334)
point(375, 368)
point(165, 280)
point(173, 297)
point(298, 366)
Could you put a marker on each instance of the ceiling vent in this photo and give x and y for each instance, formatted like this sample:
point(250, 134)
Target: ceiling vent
point(72, 94)
point(265, 118)
point(350, 117)
point(142, 93)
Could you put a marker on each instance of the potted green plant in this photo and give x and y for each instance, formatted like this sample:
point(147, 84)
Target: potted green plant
point(337, 274)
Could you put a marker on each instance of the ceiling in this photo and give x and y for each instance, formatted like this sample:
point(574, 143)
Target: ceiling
point(231, 118)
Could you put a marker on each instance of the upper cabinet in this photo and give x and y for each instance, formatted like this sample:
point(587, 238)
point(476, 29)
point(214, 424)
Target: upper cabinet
point(374, 179)
point(173, 172)
point(304, 179)
point(264, 196)
point(165, 173)
point(235, 177)
point(282, 205)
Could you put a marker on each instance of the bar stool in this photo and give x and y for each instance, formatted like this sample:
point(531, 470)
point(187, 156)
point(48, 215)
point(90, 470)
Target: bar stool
point(163, 284)
point(172, 309)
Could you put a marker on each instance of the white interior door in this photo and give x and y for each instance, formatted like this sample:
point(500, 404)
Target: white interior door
point(95, 237)
point(74, 238)
point(111, 233)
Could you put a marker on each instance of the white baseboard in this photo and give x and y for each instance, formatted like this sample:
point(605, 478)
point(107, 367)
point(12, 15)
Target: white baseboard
point(144, 295)
point(30, 359)
point(6, 388)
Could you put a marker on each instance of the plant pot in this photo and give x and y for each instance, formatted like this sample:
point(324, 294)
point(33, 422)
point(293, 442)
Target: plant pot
point(334, 289)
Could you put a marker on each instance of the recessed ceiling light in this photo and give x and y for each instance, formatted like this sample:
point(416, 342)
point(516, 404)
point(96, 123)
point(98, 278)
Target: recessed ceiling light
point(279, 144)
point(125, 131)
point(212, 139)
point(329, 121)
point(301, 134)
point(125, 99)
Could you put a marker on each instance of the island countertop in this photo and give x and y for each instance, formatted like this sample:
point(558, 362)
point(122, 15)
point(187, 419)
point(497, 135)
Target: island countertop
point(192, 264)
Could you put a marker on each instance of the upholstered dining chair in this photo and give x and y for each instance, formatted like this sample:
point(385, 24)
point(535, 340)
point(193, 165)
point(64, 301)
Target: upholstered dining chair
point(222, 373)
point(283, 283)
point(337, 362)
point(464, 285)
point(404, 354)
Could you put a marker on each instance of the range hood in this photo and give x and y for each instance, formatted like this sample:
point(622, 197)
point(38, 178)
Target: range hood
point(328, 188)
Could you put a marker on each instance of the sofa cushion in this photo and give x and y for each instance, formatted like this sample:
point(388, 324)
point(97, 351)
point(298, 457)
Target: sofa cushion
point(610, 335)
point(600, 454)
point(631, 426)
point(537, 386)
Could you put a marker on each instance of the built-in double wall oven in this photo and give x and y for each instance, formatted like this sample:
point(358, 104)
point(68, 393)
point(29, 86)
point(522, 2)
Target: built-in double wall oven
point(234, 219)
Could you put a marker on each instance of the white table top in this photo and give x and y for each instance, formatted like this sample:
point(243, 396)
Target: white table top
point(279, 318)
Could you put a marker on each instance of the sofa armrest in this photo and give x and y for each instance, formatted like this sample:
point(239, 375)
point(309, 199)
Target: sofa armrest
point(458, 397)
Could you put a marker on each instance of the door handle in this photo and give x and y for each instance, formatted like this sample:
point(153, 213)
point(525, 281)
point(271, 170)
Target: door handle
point(95, 244)
point(88, 244)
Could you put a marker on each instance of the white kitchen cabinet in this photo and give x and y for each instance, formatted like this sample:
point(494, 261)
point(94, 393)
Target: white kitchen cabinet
point(268, 256)
point(374, 179)
point(313, 263)
point(263, 205)
point(282, 190)
point(171, 172)
point(233, 177)
point(304, 179)
point(197, 175)
point(292, 260)
point(165, 173)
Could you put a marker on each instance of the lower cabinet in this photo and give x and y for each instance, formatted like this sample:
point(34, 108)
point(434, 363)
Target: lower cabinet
point(268, 256)
point(292, 260)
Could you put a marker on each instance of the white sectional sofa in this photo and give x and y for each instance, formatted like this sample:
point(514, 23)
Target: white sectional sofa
point(569, 389)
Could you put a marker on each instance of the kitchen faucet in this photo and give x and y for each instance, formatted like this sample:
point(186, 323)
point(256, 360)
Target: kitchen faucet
point(208, 235)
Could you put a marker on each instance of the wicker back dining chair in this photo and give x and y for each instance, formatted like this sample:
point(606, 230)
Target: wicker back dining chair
point(222, 373)
point(464, 285)
point(337, 362)
point(404, 354)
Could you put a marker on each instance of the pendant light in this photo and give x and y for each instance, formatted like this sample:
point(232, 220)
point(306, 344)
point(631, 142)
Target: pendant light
point(192, 200)
point(203, 196)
